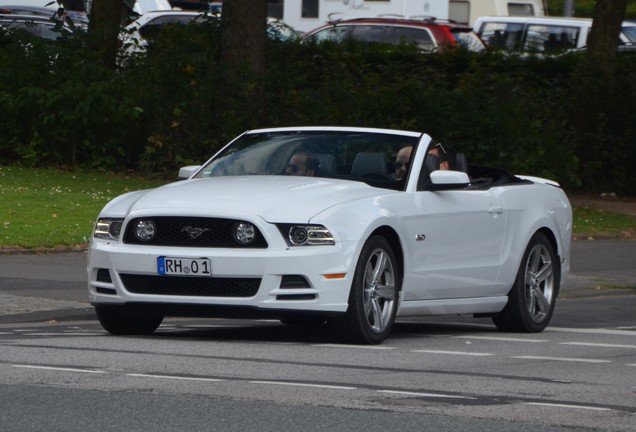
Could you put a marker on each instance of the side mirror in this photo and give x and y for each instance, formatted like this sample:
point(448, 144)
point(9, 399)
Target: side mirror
point(447, 180)
point(188, 171)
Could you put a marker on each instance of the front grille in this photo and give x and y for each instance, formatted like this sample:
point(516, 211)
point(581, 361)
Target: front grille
point(191, 286)
point(176, 231)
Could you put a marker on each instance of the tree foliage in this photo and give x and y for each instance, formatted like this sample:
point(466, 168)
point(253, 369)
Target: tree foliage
point(175, 106)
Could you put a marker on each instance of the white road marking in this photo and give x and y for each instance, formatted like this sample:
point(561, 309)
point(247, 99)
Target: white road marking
point(603, 345)
point(371, 347)
point(434, 395)
point(175, 377)
point(292, 384)
point(504, 339)
point(463, 353)
point(61, 369)
point(62, 334)
point(204, 326)
point(564, 359)
point(592, 331)
point(568, 406)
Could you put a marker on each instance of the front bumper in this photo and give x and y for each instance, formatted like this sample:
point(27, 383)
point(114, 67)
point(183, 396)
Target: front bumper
point(244, 282)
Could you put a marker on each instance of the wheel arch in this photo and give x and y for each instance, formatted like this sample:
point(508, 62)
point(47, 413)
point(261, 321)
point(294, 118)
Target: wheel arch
point(394, 241)
point(549, 234)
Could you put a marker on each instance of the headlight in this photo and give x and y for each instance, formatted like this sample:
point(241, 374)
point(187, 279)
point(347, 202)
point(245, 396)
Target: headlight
point(306, 235)
point(108, 228)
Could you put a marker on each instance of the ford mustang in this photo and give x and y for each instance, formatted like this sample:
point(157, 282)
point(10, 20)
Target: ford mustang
point(324, 225)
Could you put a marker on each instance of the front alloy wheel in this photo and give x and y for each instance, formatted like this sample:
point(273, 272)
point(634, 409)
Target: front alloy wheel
point(373, 298)
point(531, 299)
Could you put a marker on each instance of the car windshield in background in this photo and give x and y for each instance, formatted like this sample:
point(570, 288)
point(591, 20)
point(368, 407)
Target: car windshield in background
point(630, 33)
point(360, 156)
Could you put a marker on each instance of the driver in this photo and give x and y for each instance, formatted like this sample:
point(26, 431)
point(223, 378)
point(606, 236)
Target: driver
point(302, 163)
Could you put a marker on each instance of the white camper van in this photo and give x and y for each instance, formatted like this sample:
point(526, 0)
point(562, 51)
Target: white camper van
point(305, 15)
point(467, 11)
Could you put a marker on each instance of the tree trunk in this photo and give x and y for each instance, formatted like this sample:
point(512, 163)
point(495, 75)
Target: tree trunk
point(595, 90)
point(103, 32)
point(243, 33)
point(606, 29)
point(243, 39)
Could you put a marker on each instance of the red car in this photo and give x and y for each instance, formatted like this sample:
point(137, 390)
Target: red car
point(428, 34)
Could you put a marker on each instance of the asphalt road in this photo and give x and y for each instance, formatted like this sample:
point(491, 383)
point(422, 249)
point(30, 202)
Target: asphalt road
point(60, 371)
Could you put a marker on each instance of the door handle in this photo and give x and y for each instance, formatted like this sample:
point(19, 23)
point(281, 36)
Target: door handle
point(495, 210)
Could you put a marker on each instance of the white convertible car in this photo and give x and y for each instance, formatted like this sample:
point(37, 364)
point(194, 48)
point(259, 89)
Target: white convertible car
point(352, 244)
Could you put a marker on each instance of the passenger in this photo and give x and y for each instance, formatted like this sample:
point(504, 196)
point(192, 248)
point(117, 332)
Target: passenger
point(402, 161)
point(302, 163)
point(446, 154)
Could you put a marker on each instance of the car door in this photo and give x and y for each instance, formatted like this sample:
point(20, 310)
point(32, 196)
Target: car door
point(454, 242)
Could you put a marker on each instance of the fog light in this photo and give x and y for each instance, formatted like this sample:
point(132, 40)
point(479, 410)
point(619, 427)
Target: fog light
point(244, 233)
point(145, 230)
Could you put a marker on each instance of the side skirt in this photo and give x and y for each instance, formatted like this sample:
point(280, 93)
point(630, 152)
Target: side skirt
point(478, 305)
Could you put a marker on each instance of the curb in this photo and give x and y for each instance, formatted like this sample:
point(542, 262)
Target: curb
point(50, 316)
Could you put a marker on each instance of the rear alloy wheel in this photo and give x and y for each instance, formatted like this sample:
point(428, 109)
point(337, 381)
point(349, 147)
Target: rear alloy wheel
point(373, 299)
point(117, 323)
point(532, 298)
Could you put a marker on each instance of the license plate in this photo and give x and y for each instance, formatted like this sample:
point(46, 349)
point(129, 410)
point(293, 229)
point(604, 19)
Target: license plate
point(184, 266)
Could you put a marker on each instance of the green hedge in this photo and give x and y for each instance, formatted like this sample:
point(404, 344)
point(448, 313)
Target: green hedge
point(175, 106)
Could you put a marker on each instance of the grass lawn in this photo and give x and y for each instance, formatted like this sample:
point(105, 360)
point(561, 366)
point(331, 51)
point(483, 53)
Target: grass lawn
point(48, 208)
point(589, 222)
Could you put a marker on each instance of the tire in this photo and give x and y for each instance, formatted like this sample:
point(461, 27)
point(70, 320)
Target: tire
point(533, 296)
point(373, 298)
point(117, 323)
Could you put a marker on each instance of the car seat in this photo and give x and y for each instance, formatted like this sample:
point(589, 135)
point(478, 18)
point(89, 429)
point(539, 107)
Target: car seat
point(367, 163)
point(326, 164)
point(461, 163)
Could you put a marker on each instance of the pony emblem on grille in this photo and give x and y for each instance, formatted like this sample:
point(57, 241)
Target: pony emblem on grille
point(194, 232)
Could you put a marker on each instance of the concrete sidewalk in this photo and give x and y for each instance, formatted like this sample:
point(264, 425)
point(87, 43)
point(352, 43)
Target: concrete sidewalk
point(47, 287)
point(53, 287)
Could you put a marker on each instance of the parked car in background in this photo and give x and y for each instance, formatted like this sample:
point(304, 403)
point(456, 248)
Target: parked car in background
point(427, 34)
point(77, 17)
point(137, 34)
point(38, 26)
point(77, 10)
point(549, 35)
point(312, 225)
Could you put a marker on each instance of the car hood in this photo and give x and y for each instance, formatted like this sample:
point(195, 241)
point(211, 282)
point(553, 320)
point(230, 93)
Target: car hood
point(273, 198)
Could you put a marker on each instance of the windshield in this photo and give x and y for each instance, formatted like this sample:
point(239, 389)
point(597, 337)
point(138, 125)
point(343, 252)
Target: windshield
point(359, 156)
point(630, 33)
